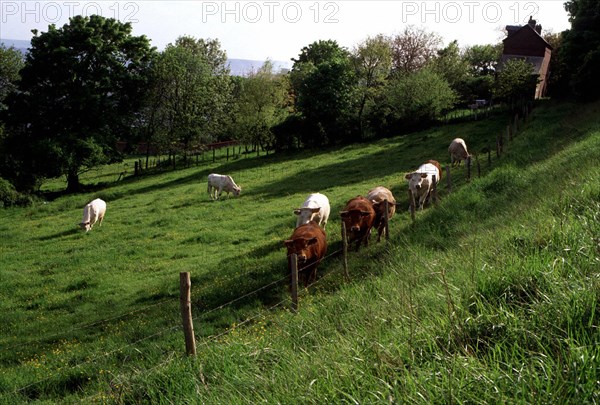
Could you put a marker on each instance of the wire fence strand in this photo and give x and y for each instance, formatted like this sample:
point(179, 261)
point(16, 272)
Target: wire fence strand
point(89, 325)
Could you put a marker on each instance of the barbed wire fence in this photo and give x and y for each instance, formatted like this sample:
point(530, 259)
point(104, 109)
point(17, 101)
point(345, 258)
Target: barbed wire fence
point(511, 131)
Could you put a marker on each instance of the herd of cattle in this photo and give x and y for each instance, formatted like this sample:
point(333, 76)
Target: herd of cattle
point(360, 214)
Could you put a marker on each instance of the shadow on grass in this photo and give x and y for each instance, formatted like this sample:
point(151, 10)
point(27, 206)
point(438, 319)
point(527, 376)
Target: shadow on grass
point(61, 234)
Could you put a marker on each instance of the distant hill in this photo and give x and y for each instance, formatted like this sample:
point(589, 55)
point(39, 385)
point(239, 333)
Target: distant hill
point(239, 67)
point(19, 44)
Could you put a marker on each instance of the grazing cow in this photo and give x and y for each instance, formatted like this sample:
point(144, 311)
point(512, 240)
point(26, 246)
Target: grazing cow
point(420, 182)
point(93, 212)
point(315, 208)
point(309, 243)
point(378, 196)
point(458, 151)
point(358, 217)
point(217, 183)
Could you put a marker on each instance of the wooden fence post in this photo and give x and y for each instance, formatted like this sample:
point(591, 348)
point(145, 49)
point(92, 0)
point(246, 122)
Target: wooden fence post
point(228, 154)
point(345, 251)
point(498, 145)
point(411, 200)
point(469, 163)
point(213, 155)
point(434, 194)
point(448, 179)
point(294, 287)
point(386, 215)
point(185, 285)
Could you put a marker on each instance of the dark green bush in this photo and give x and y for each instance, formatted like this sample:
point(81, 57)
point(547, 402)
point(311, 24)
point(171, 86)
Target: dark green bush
point(10, 197)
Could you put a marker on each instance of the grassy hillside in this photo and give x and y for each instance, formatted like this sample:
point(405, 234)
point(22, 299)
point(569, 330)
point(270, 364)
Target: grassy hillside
point(489, 297)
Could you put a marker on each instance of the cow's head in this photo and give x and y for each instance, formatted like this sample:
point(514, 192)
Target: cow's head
point(353, 219)
point(300, 246)
point(237, 190)
point(85, 226)
point(305, 215)
point(415, 180)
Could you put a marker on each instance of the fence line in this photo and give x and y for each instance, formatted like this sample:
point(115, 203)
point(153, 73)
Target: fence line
point(94, 323)
point(242, 297)
point(93, 359)
point(204, 342)
point(207, 340)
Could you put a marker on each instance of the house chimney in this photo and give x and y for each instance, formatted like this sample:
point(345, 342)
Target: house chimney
point(531, 22)
point(538, 29)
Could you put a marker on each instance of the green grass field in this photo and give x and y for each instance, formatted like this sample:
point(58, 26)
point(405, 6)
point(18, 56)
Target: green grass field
point(489, 297)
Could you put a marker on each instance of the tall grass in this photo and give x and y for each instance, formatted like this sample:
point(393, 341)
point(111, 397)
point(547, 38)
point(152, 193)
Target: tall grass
point(489, 297)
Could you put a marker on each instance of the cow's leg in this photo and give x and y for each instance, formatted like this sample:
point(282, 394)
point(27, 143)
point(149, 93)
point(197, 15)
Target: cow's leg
point(422, 199)
point(313, 275)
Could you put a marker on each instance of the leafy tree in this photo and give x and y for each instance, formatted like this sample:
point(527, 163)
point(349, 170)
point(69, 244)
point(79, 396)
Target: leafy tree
point(483, 59)
point(558, 81)
point(372, 61)
point(323, 83)
point(450, 64)
point(413, 49)
point(11, 62)
point(580, 48)
point(418, 98)
point(189, 95)
point(515, 82)
point(80, 86)
point(261, 104)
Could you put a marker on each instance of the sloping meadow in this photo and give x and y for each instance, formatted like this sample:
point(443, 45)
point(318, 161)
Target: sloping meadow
point(490, 296)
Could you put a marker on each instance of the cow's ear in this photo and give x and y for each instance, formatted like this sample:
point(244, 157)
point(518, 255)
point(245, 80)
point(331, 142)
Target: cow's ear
point(407, 176)
point(288, 243)
point(315, 210)
point(311, 241)
point(297, 211)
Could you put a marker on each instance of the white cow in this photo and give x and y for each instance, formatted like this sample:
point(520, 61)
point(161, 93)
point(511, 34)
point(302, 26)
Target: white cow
point(93, 212)
point(217, 183)
point(315, 208)
point(420, 181)
point(458, 151)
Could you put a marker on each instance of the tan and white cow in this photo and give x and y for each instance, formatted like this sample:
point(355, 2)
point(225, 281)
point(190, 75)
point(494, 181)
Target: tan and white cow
point(93, 212)
point(420, 182)
point(217, 183)
point(458, 151)
point(378, 196)
point(315, 208)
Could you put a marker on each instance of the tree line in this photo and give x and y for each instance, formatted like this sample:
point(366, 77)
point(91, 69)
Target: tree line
point(84, 86)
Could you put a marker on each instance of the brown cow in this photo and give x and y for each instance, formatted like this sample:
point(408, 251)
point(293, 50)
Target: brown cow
point(378, 196)
point(358, 216)
point(309, 243)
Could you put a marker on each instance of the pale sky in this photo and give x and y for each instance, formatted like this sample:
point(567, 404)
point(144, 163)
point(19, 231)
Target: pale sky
point(279, 29)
